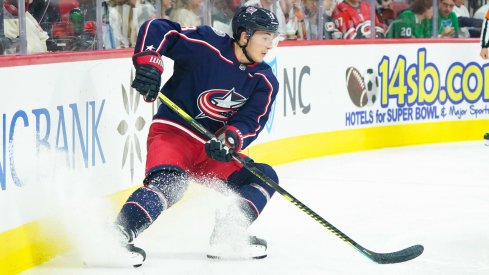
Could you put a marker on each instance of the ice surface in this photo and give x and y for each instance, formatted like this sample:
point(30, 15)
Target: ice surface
point(386, 200)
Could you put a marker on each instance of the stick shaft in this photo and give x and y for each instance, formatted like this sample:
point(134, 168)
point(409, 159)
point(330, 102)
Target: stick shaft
point(395, 257)
point(199, 127)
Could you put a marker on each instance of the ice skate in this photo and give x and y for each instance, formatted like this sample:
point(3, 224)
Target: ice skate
point(252, 248)
point(134, 255)
point(230, 238)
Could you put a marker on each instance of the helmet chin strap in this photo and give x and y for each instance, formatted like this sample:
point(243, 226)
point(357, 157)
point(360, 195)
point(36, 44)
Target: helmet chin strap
point(245, 52)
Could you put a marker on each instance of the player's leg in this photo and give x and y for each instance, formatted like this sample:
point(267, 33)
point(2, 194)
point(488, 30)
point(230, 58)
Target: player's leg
point(253, 195)
point(163, 187)
point(168, 160)
point(254, 192)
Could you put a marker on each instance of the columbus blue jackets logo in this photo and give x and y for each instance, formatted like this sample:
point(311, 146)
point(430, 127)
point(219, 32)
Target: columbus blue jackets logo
point(219, 105)
point(251, 10)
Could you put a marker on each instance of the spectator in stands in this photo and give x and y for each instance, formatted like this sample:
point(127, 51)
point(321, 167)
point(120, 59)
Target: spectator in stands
point(70, 23)
point(329, 6)
point(310, 17)
point(143, 11)
point(222, 14)
point(415, 22)
point(123, 28)
point(353, 20)
point(187, 12)
point(330, 30)
point(36, 36)
point(385, 12)
point(296, 23)
point(166, 6)
point(469, 27)
point(480, 13)
point(277, 9)
point(447, 20)
point(460, 9)
point(46, 13)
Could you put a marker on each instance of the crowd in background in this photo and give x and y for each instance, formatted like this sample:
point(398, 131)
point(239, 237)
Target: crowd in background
point(70, 25)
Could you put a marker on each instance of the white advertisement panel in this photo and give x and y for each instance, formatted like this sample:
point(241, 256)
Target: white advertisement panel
point(79, 127)
point(340, 87)
point(68, 128)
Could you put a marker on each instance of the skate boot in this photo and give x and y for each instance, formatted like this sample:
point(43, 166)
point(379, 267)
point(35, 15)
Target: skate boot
point(230, 238)
point(134, 254)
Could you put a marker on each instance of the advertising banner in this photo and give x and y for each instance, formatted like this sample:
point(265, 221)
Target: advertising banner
point(81, 122)
point(340, 87)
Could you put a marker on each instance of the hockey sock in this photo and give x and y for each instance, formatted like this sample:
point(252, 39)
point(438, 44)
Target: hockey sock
point(162, 189)
point(140, 210)
point(255, 192)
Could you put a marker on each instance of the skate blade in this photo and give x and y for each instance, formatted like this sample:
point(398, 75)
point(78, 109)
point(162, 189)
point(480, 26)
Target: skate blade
point(225, 252)
point(136, 259)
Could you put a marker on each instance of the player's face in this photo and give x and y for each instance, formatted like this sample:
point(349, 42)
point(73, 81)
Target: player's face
point(260, 43)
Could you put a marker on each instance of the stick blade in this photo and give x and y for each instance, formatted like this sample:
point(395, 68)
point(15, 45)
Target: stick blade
point(396, 257)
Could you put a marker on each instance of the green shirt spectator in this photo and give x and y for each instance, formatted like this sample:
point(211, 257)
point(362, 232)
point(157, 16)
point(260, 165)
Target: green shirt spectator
point(414, 22)
point(450, 21)
point(407, 25)
point(447, 19)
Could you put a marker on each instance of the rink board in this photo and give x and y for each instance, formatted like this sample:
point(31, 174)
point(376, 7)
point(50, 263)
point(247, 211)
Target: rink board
point(73, 123)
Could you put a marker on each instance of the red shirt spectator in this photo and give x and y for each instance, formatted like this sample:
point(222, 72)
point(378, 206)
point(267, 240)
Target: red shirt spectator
point(353, 20)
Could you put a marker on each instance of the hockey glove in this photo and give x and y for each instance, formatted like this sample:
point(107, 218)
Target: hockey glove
point(149, 67)
point(228, 140)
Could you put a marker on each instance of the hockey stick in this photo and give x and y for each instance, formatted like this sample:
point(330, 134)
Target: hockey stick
point(381, 258)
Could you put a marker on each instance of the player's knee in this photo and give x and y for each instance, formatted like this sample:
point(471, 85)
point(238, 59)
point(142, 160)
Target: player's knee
point(269, 172)
point(169, 183)
point(254, 191)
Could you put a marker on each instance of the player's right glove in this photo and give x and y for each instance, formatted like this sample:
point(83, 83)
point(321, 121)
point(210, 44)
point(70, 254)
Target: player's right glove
point(149, 67)
point(228, 140)
point(217, 150)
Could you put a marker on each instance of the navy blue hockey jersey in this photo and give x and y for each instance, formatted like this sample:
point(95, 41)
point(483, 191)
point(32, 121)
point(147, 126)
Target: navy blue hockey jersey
point(208, 81)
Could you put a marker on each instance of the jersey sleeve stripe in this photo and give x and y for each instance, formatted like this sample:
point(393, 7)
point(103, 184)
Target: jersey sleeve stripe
point(267, 106)
point(174, 32)
point(145, 34)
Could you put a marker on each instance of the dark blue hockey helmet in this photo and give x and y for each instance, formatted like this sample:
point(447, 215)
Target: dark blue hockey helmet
point(251, 19)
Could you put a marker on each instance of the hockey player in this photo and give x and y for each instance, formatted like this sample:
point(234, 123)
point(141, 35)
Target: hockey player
point(222, 82)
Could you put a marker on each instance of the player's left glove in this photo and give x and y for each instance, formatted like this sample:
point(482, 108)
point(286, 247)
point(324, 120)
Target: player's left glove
point(149, 67)
point(228, 140)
